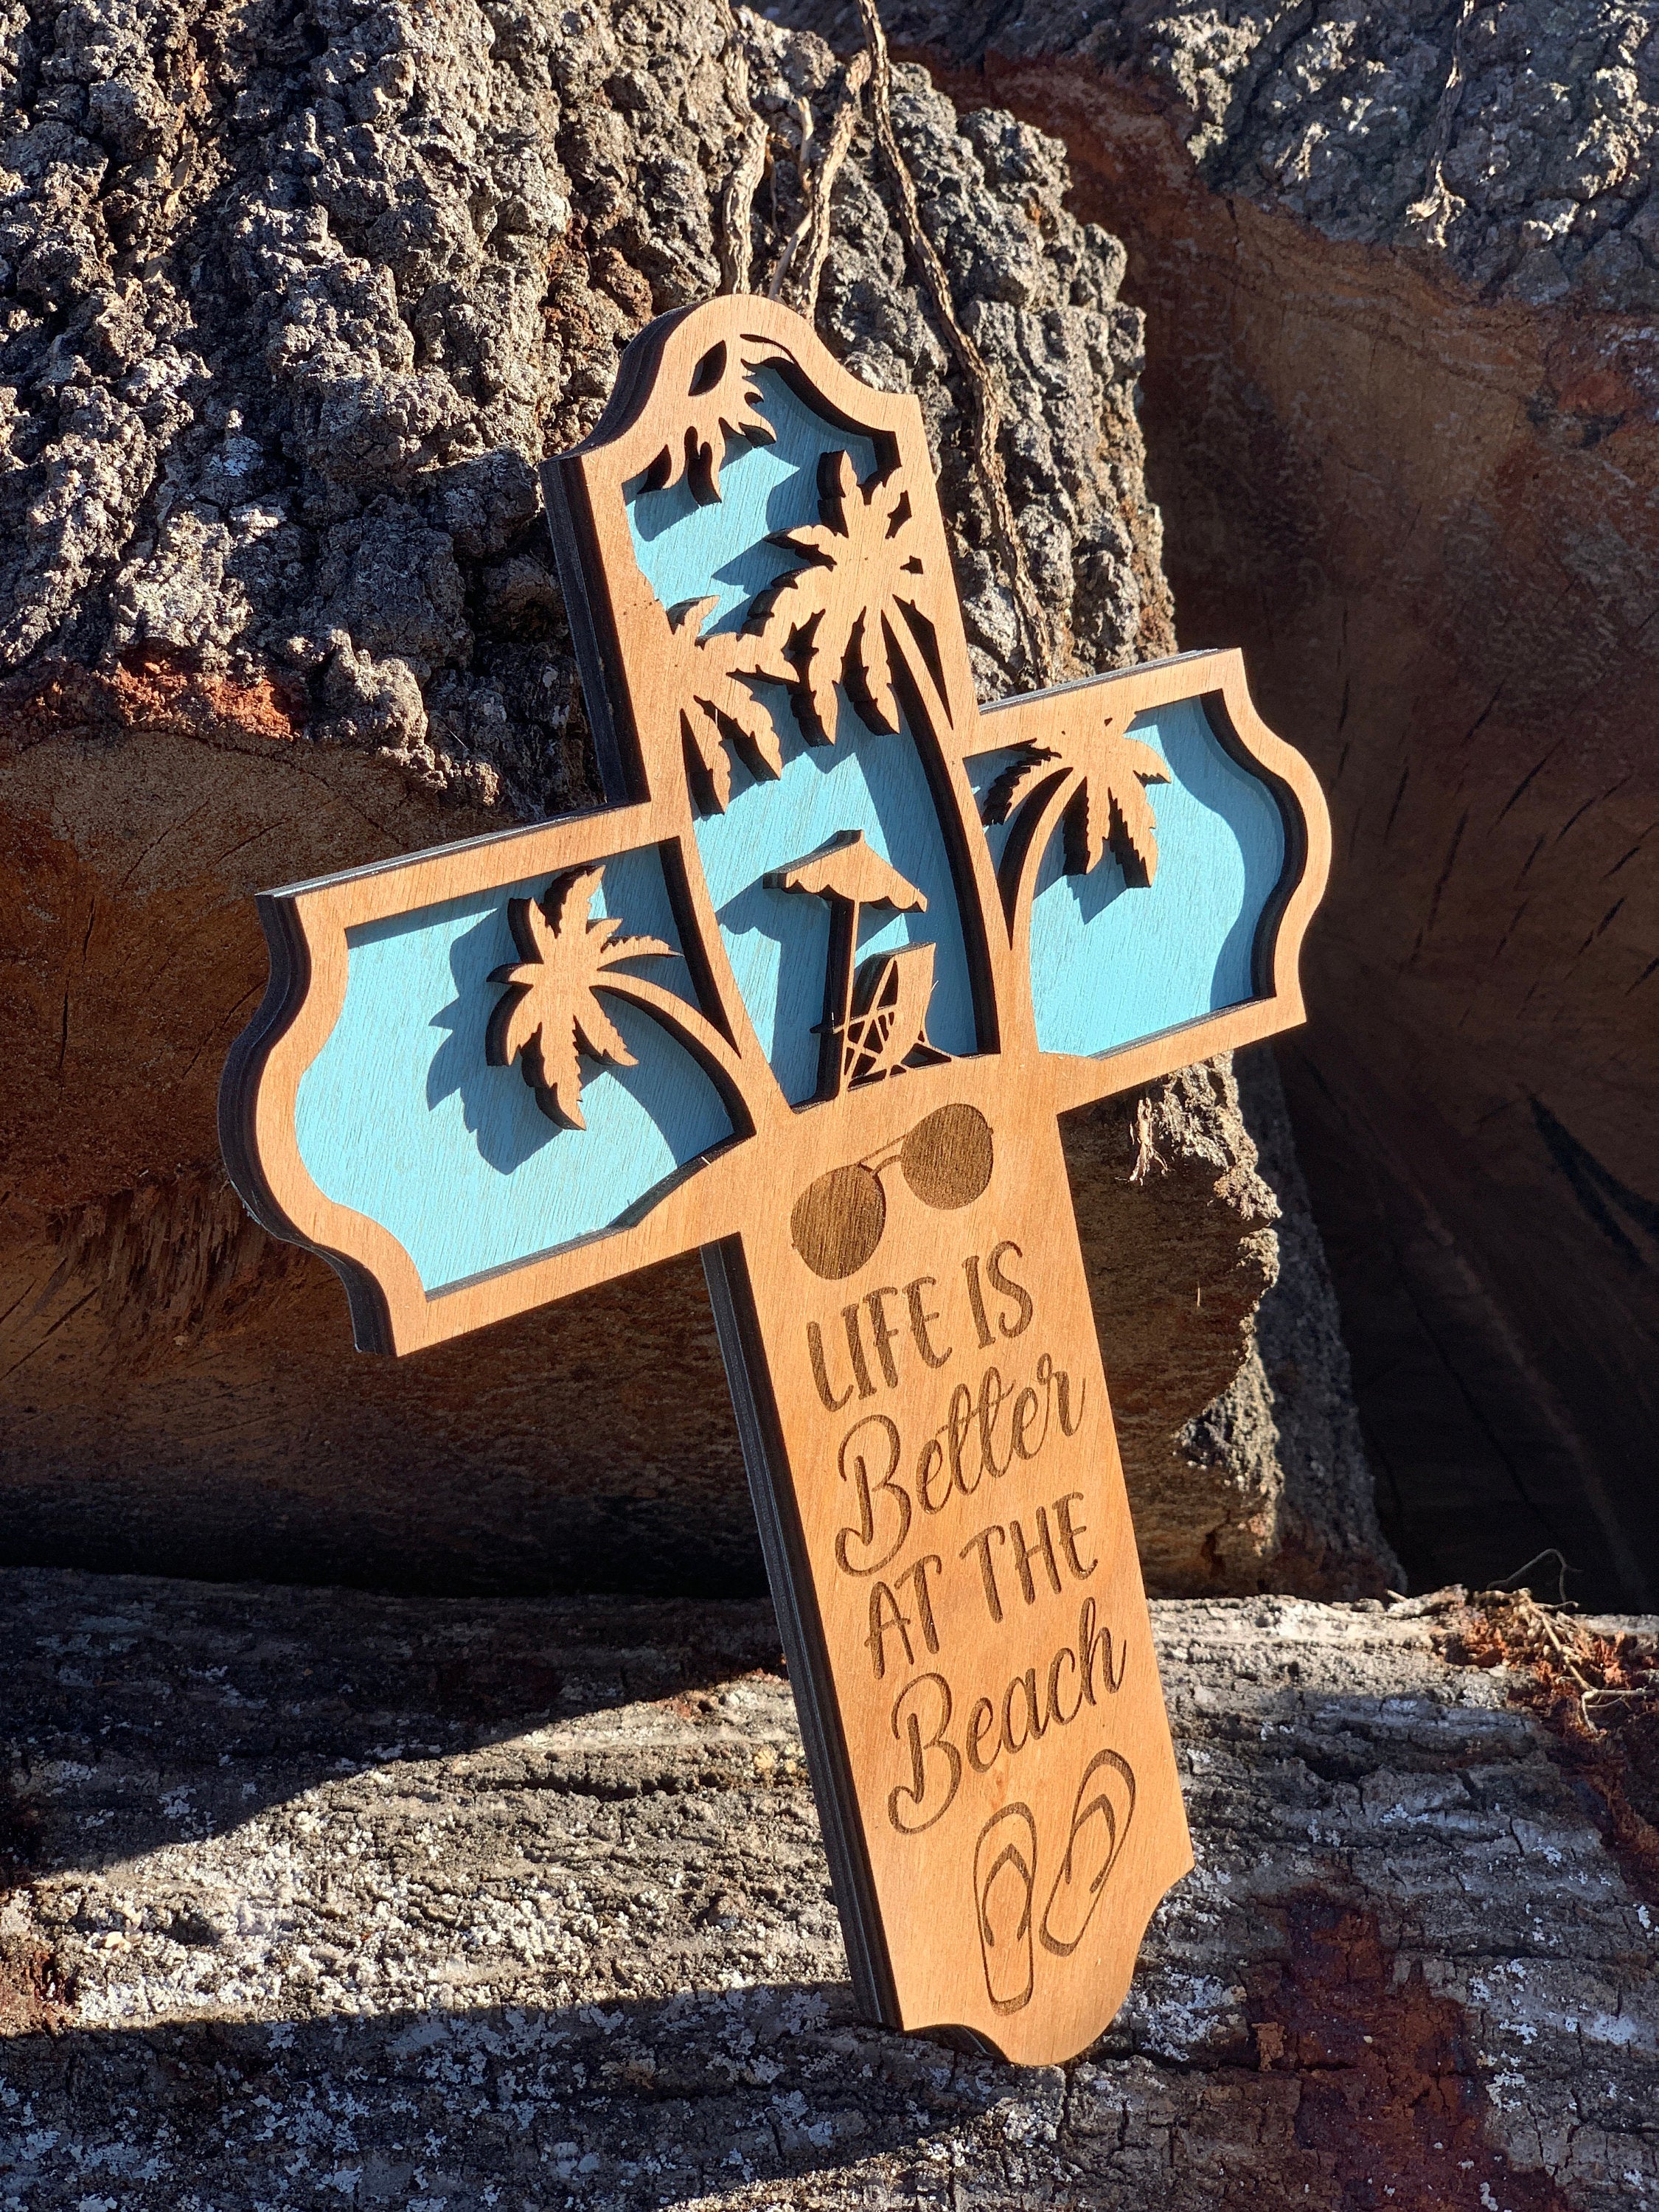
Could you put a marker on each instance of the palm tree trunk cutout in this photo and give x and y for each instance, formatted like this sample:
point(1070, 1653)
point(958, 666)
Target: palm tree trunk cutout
point(875, 1019)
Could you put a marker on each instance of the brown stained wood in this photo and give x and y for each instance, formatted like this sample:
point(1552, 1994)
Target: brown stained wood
point(942, 1496)
point(894, 1266)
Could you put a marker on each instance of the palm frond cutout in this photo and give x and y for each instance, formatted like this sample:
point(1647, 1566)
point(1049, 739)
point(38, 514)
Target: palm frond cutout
point(855, 613)
point(718, 710)
point(1111, 812)
point(550, 1014)
point(723, 404)
point(1096, 777)
point(1034, 765)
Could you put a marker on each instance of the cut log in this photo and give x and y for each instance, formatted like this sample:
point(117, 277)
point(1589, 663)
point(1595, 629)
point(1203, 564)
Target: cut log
point(524, 1903)
point(293, 311)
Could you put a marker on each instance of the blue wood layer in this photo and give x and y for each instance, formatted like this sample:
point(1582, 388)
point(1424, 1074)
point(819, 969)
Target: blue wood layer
point(688, 551)
point(777, 941)
point(401, 1117)
point(1112, 964)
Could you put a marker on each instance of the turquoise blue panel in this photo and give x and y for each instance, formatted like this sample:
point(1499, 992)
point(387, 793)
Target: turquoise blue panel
point(1110, 964)
point(777, 941)
point(401, 1117)
point(691, 552)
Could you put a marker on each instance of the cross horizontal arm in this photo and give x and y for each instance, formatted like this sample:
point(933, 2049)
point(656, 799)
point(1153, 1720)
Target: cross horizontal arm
point(1257, 889)
point(313, 930)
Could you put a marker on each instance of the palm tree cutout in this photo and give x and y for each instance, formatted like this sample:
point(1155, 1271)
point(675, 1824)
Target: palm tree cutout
point(875, 1021)
point(1093, 781)
point(717, 709)
point(850, 615)
point(722, 404)
point(551, 1013)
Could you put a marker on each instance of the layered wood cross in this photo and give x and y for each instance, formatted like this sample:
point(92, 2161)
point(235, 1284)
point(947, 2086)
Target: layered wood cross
point(809, 993)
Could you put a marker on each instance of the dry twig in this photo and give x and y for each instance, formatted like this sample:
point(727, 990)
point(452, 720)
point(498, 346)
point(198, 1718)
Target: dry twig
point(1145, 1140)
point(984, 421)
point(1597, 1695)
point(812, 234)
point(1439, 203)
point(1602, 1676)
point(738, 200)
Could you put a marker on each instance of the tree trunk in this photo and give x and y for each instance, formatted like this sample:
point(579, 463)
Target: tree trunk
point(296, 301)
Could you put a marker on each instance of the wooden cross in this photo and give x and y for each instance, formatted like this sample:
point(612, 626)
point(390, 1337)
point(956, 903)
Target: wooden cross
point(809, 993)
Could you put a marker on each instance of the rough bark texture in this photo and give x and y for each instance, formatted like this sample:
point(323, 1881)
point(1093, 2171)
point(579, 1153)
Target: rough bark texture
point(1400, 265)
point(295, 296)
point(344, 1899)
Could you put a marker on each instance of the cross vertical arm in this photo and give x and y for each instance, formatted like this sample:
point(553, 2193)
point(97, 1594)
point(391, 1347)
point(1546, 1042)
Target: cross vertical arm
point(639, 666)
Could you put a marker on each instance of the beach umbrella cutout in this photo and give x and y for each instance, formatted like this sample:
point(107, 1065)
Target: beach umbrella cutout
point(875, 1015)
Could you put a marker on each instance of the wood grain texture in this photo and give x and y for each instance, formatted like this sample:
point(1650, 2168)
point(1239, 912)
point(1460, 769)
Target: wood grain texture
point(887, 1232)
point(931, 1447)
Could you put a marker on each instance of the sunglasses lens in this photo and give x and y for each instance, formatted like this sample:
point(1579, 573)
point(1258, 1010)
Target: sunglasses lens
point(947, 1159)
point(837, 1222)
